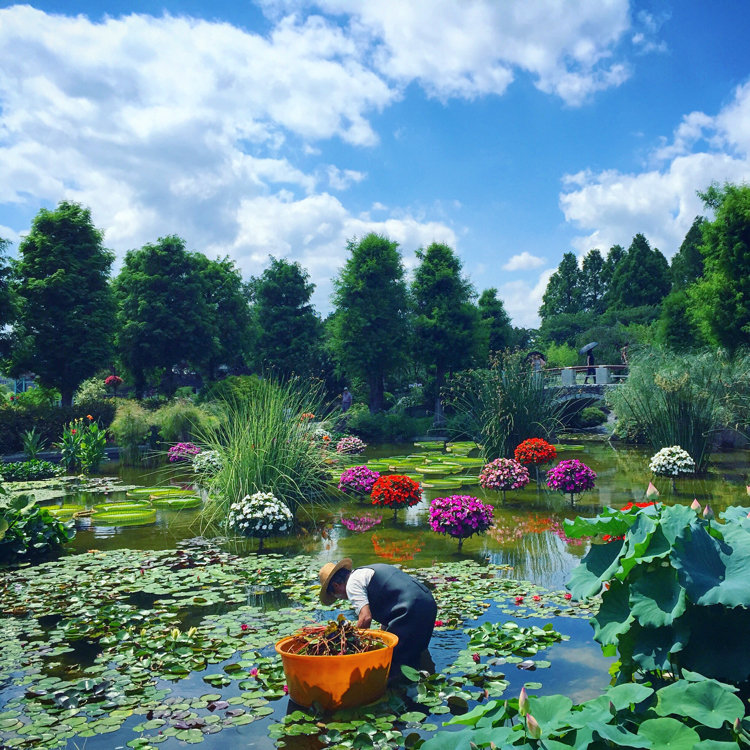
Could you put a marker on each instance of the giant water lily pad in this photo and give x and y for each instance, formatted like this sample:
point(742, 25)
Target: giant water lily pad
point(131, 517)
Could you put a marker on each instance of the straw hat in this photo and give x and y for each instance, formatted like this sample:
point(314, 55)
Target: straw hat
point(327, 572)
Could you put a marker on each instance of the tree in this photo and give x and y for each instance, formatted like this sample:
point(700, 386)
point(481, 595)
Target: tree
point(676, 328)
point(290, 332)
point(687, 264)
point(563, 293)
point(640, 278)
point(446, 324)
point(721, 299)
point(496, 321)
point(67, 314)
point(164, 317)
point(614, 256)
point(8, 300)
point(367, 326)
point(593, 286)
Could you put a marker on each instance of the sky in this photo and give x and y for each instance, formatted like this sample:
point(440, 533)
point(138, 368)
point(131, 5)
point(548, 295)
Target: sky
point(512, 130)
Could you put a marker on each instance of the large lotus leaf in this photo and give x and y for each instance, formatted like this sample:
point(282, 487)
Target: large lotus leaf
point(719, 646)
point(620, 736)
point(610, 521)
point(636, 543)
point(614, 616)
point(668, 734)
point(627, 694)
point(551, 712)
point(714, 571)
point(598, 566)
point(737, 514)
point(654, 648)
point(706, 702)
point(715, 745)
point(592, 712)
point(675, 521)
point(657, 598)
point(22, 503)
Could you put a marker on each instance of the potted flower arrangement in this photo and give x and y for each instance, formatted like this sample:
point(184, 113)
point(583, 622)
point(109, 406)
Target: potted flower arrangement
point(396, 491)
point(572, 477)
point(460, 516)
point(671, 462)
point(207, 463)
point(358, 480)
point(259, 516)
point(113, 382)
point(535, 452)
point(504, 474)
point(350, 445)
point(183, 452)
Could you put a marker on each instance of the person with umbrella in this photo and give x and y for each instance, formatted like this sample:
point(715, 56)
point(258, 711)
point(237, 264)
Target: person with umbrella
point(588, 350)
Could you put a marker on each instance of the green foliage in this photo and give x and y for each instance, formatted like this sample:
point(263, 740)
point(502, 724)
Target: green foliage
point(640, 278)
point(130, 429)
point(561, 355)
point(83, 445)
point(232, 388)
point(496, 322)
point(264, 446)
point(27, 471)
point(385, 427)
point(28, 532)
point(92, 389)
point(8, 299)
point(593, 282)
point(564, 328)
point(563, 293)
point(687, 264)
point(39, 396)
point(67, 313)
point(591, 416)
point(290, 331)
point(367, 328)
point(675, 581)
point(180, 420)
point(677, 329)
point(33, 443)
point(502, 406)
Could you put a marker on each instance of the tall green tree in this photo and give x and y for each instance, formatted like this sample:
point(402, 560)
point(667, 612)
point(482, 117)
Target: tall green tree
point(8, 301)
point(446, 323)
point(67, 315)
point(593, 282)
point(640, 278)
point(721, 298)
point(615, 254)
point(563, 293)
point(687, 264)
point(290, 332)
point(369, 320)
point(164, 317)
point(676, 328)
point(495, 320)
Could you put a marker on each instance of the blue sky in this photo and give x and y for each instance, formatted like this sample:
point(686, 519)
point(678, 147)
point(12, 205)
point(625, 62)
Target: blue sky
point(513, 131)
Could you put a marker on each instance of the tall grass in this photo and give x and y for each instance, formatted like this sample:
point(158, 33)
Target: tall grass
point(503, 405)
point(130, 429)
point(266, 446)
point(180, 420)
point(674, 399)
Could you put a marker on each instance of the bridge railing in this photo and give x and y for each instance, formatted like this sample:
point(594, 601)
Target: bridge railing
point(572, 376)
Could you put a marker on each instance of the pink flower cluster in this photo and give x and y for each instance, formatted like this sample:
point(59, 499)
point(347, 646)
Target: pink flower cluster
point(350, 444)
point(459, 516)
point(183, 452)
point(571, 476)
point(359, 524)
point(504, 474)
point(358, 480)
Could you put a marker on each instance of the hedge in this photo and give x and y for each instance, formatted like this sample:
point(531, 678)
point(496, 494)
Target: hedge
point(48, 421)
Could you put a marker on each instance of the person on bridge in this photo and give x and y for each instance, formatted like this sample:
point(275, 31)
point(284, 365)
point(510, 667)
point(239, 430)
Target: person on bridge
point(590, 371)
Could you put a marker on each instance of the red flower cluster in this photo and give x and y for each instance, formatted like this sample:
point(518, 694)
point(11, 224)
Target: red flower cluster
point(534, 452)
point(637, 505)
point(396, 491)
point(609, 538)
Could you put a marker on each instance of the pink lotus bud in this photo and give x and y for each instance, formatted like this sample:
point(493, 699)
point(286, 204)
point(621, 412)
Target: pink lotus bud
point(651, 491)
point(695, 505)
point(532, 727)
point(736, 725)
point(708, 514)
point(748, 489)
point(523, 702)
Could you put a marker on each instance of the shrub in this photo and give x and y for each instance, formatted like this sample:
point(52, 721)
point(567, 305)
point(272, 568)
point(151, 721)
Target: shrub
point(395, 491)
point(259, 516)
point(504, 474)
point(358, 480)
point(232, 388)
point(351, 445)
point(130, 429)
point(27, 471)
point(571, 477)
point(535, 452)
point(391, 427)
point(83, 445)
point(591, 416)
point(460, 516)
point(207, 463)
point(33, 443)
point(181, 420)
point(90, 390)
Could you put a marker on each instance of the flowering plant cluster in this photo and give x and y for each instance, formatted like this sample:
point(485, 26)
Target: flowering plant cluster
point(359, 524)
point(183, 452)
point(350, 444)
point(571, 476)
point(83, 445)
point(396, 491)
point(672, 461)
point(207, 463)
point(259, 515)
point(306, 415)
point(459, 516)
point(504, 474)
point(358, 480)
point(113, 381)
point(322, 436)
point(534, 452)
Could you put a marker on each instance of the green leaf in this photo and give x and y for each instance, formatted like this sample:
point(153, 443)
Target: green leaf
point(657, 598)
point(706, 702)
point(669, 734)
point(598, 566)
point(614, 616)
point(624, 695)
point(619, 736)
point(551, 712)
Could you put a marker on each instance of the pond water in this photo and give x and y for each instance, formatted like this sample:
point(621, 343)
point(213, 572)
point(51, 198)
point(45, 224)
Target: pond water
point(275, 590)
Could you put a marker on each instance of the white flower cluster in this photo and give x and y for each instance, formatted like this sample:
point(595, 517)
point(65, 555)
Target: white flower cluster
point(672, 461)
point(260, 515)
point(207, 463)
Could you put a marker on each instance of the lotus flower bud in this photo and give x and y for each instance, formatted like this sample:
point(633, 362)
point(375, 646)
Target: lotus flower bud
point(695, 505)
point(708, 514)
point(532, 727)
point(523, 702)
point(651, 491)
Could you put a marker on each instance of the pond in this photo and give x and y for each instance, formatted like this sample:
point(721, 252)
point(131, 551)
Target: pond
point(100, 652)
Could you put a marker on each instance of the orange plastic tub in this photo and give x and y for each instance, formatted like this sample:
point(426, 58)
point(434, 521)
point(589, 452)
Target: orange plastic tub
point(337, 681)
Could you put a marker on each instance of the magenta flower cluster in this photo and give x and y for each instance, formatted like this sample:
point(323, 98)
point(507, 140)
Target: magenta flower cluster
point(359, 524)
point(460, 516)
point(504, 474)
point(183, 452)
point(571, 476)
point(358, 480)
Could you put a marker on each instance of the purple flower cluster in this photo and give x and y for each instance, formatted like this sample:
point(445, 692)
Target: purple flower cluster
point(571, 476)
point(358, 480)
point(459, 516)
point(183, 452)
point(359, 524)
point(350, 444)
point(504, 474)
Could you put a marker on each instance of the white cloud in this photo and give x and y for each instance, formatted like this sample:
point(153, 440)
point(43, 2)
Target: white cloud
point(523, 300)
point(523, 262)
point(611, 207)
point(341, 179)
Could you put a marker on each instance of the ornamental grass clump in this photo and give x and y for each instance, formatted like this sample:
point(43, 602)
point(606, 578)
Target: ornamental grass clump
point(358, 480)
point(504, 474)
point(350, 445)
point(571, 477)
point(460, 516)
point(396, 491)
point(671, 462)
point(259, 516)
point(535, 452)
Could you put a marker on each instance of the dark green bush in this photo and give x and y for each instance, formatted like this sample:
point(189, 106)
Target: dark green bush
point(27, 471)
point(591, 416)
point(394, 427)
point(232, 388)
point(47, 420)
